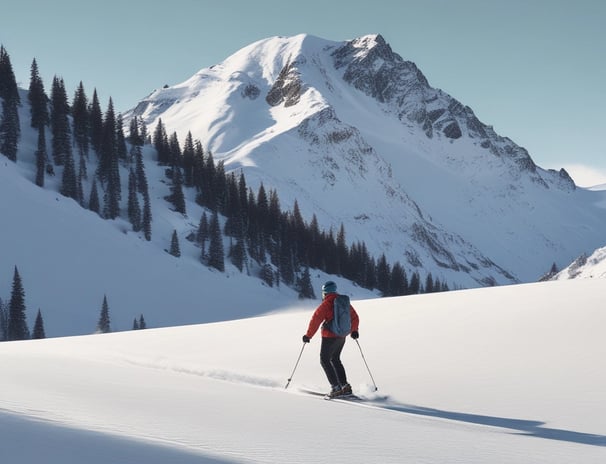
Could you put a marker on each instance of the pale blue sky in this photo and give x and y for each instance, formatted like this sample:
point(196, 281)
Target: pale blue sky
point(534, 69)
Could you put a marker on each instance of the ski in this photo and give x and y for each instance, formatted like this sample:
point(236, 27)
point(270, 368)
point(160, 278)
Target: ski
point(350, 397)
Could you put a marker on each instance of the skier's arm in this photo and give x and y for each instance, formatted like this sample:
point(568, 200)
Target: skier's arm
point(355, 320)
point(316, 320)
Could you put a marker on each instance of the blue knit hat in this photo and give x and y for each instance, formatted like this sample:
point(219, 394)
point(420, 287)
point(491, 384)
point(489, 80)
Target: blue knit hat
point(329, 287)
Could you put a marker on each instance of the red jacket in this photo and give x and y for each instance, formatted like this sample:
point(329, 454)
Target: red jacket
point(324, 313)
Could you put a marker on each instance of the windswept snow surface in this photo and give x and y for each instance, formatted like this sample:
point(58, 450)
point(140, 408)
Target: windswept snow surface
point(500, 375)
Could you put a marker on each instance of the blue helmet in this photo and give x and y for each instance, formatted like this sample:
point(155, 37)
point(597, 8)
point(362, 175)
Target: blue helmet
point(329, 287)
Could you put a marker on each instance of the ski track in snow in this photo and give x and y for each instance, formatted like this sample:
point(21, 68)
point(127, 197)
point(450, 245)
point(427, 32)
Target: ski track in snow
point(378, 401)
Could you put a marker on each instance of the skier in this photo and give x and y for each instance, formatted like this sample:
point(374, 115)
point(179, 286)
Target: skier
point(332, 344)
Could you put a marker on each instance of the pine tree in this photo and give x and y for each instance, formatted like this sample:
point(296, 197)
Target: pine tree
point(142, 323)
point(81, 128)
point(216, 255)
point(135, 137)
point(220, 187)
point(330, 253)
point(8, 83)
point(342, 254)
point(134, 210)
point(298, 234)
point(177, 198)
point(371, 275)
point(37, 99)
point(17, 324)
point(188, 161)
point(69, 182)
point(383, 275)
point(10, 130)
point(398, 284)
point(121, 149)
point(429, 284)
point(135, 324)
point(41, 157)
point(38, 332)
point(160, 142)
point(237, 254)
point(415, 284)
point(141, 178)
point(147, 217)
point(287, 255)
point(207, 192)
point(267, 274)
point(145, 138)
point(103, 325)
point(306, 289)
point(60, 130)
point(96, 124)
point(93, 202)
point(109, 169)
point(199, 169)
point(174, 157)
point(313, 244)
point(175, 249)
point(81, 121)
point(203, 234)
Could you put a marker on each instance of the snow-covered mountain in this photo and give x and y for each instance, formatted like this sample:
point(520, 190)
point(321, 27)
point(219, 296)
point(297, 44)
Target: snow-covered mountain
point(357, 136)
point(585, 267)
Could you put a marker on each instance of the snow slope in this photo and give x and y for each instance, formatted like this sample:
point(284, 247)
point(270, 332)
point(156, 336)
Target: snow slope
point(357, 136)
point(69, 257)
point(502, 375)
point(585, 267)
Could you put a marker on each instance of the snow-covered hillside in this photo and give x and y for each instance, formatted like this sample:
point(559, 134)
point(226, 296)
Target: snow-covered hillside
point(585, 267)
point(69, 258)
point(501, 375)
point(357, 136)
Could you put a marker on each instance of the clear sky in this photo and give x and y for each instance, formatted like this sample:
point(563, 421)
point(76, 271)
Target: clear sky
point(533, 69)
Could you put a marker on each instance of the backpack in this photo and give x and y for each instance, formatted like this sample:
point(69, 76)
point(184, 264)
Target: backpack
point(341, 320)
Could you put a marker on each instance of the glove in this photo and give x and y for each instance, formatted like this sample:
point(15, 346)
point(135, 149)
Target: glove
point(306, 339)
point(355, 335)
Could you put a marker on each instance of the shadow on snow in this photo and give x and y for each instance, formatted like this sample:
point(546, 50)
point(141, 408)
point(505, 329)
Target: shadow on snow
point(524, 427)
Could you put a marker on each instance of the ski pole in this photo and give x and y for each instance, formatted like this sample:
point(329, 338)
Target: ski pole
point(367, 368)
point(296, 364)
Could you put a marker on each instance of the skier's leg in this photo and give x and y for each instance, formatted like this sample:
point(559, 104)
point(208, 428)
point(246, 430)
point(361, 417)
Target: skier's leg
point(326, 356)
point(336, 361)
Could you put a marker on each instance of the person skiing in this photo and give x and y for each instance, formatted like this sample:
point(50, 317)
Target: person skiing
point(332, 343)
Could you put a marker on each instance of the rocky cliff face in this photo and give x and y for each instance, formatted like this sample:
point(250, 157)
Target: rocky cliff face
point(370, 65)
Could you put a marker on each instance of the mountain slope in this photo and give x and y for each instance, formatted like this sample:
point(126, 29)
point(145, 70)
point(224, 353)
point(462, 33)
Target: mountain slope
point(511, 374)
point(357, 136)
point(69, 258)
point(585, 267)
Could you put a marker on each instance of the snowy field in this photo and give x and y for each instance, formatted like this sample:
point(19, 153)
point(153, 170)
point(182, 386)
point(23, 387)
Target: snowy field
point(502, 375)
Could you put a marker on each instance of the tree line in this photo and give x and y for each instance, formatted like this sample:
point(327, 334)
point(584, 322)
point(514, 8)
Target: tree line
point(247, 227)
point(261, 238)
point(81, 137)
point(13, 316)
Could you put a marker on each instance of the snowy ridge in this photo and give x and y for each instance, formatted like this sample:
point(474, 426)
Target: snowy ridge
point(480, 376)
point(585, 267)
point(326, 122)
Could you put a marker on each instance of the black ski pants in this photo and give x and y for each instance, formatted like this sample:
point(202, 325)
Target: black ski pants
point(330, 359)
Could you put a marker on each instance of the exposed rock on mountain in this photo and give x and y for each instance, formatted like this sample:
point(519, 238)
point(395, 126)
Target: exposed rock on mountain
point(357, 136)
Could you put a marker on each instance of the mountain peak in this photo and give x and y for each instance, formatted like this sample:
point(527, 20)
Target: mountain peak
point(322, 121)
